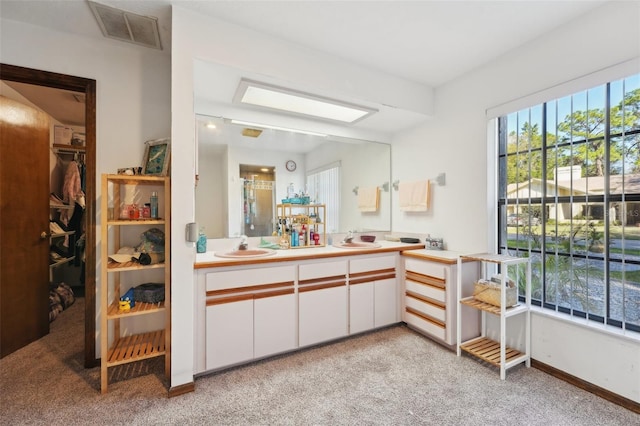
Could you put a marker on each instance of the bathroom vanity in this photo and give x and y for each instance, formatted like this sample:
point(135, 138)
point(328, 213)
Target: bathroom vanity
point(253, 308)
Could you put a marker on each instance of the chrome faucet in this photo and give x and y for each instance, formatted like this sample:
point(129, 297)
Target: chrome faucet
point(244, 243)
point(348, 238)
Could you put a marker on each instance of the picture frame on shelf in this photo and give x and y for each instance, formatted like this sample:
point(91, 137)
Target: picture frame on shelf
point(156, 157)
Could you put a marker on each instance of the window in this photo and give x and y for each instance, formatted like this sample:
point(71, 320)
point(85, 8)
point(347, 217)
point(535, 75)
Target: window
point(323, 186)
point(569, 199)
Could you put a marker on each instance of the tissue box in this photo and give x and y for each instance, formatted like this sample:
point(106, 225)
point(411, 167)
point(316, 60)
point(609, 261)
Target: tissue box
point(489, 292)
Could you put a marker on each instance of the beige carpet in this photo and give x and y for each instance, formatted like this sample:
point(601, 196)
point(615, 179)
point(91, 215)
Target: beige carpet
point(390, 377)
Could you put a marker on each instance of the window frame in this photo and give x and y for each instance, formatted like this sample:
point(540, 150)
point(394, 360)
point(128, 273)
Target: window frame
point(502, 155)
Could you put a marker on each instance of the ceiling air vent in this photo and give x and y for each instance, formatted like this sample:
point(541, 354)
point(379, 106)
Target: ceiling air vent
point(126, 26)
point(251, 133)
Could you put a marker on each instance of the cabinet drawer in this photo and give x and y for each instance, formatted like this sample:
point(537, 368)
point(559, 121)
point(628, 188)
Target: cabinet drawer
point(426, 268)
point(436, 330)
point(372, 264)
point(426, 290)
point(248, 277)
point(430, 309)
point(309, 271)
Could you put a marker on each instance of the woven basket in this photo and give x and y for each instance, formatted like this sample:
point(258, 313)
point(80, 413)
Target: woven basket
point(489, 292)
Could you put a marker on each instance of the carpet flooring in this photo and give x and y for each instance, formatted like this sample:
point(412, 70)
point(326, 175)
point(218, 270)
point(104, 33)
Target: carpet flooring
point(388, 377)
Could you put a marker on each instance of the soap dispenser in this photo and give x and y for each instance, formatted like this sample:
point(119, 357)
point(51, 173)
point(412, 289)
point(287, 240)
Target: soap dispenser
point(201, 244)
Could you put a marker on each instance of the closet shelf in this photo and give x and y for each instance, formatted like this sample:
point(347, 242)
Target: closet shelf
point(136, 347)
point(68, 148)
point(62, 234)
point(61, 262)
point(141, 308)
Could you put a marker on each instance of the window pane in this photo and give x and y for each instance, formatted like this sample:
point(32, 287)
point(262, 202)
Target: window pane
point(625, 292)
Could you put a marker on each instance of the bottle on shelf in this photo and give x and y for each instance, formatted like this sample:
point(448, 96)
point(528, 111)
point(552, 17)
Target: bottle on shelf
point(154, 205)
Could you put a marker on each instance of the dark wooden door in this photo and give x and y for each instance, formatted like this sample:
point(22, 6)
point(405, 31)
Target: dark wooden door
point(24, 225)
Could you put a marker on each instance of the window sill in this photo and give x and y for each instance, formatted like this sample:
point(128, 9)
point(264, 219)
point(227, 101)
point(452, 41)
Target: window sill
point(609, 330)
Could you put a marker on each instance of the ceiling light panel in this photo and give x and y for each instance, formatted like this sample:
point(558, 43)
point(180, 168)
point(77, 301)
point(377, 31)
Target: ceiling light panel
point(283, 99)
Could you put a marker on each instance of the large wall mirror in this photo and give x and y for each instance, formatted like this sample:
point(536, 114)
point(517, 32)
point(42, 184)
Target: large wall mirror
point(242, 167)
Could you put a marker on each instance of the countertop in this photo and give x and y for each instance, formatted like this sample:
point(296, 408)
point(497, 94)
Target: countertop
point(210, 260)
point(441, 256)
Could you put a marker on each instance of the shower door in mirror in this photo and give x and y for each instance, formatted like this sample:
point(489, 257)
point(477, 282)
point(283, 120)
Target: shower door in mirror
point(258, 207)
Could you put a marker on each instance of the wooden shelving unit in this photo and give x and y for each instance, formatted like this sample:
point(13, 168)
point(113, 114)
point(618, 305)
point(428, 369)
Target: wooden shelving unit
point(118, 346)
point(497, 353)
point(312, 216)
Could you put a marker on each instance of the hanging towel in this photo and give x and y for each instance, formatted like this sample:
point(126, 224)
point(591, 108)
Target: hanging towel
point(414, 196)
point(368, 199)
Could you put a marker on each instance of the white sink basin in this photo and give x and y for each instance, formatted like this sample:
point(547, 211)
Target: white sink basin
point(357, 245)
point(246, 254)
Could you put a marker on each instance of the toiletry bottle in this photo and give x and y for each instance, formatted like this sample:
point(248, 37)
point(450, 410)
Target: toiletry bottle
point(154, 205)
point(201, 245)
point(303, 236)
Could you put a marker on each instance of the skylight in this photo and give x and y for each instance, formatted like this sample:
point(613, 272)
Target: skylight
point(280, 98)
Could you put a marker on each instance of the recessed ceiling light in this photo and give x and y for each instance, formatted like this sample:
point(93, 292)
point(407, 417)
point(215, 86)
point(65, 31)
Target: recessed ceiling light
point(211, 125)
point(264, 170)
point(286, 129)
point(283, 99)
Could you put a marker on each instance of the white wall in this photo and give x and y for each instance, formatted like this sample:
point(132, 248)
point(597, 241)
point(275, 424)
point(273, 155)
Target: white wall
point(455, 142)
point(459, 212)
point(133, 87)
point(207, 39)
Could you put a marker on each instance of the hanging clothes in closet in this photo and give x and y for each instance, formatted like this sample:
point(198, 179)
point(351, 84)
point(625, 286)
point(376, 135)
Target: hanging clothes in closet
point(73, 194)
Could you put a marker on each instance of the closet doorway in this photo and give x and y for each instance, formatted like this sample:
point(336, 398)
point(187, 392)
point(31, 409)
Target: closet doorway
point(14, 73)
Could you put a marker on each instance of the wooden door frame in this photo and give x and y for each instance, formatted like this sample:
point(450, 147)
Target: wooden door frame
point(88, 87)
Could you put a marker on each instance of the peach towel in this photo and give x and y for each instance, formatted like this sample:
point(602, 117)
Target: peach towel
point(414, 196)
point(368, 199)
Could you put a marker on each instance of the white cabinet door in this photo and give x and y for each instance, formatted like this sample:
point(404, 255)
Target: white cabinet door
point(361, 307)
point(274, 325)
point(229, 333)
point(322, 315)
point(386, 302)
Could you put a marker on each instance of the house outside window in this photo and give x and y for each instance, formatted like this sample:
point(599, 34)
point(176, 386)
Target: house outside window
point(569, 199)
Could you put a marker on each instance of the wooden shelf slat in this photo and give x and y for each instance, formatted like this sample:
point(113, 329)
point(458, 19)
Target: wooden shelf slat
point(489, 351)
point(136, 347)
point(141, 221)
point(487, 307)
point(130, 266)
point(140, 308)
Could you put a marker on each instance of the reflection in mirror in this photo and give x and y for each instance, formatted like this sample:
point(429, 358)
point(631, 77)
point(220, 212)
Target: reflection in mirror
point(222, 203)
point(258, 200)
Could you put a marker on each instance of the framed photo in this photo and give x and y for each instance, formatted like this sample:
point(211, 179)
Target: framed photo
point(156, 157)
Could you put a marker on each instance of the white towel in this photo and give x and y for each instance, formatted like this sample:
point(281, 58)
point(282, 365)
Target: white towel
point(368, 199)
point(414, 196)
